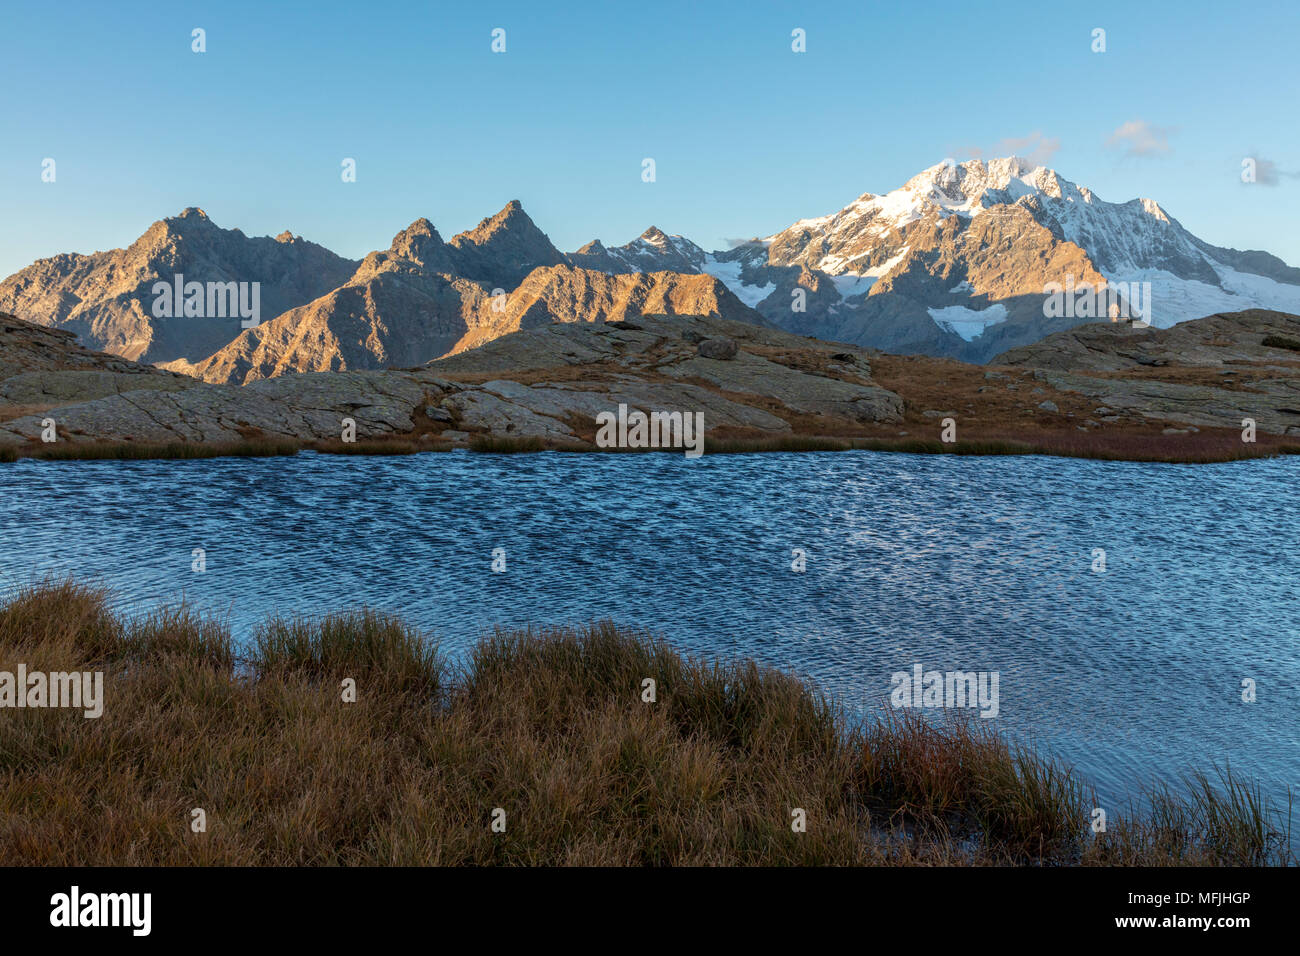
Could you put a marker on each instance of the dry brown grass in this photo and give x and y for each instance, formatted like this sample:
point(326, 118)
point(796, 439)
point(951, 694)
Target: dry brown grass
point(550, 727)
point(252, 447)
point(10, 412)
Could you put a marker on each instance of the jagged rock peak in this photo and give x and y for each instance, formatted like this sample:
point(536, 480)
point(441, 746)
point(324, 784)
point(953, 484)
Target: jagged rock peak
point(504, 248)
point(417, 241)
point(511, 217)
point(420, 229)
point(190, 220)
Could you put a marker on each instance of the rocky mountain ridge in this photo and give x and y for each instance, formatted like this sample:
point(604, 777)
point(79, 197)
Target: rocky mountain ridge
point(953, 263)
point(423, 298)
point(107, 298)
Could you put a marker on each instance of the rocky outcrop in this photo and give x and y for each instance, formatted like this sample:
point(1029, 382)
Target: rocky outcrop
point(549, 382)
point(1273, 403)
point(308, 407)
point(720, 348)
point(1221, 341)
point(661, 352)
point(43, 368)
point(1214, 371)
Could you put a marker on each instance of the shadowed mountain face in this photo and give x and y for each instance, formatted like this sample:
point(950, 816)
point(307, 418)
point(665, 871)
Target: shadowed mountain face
point(107, 298)
point(503, 250)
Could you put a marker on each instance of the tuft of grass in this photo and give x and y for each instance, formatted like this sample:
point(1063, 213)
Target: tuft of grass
point(174, 633)
point(1281, 342)
point(919, 446)
point(244, 448)
point(555, 727)
point(364, 644)
point(63, 615)
point(376, 446)
point(726, 446)
point(1185, 450)
point(506, 444)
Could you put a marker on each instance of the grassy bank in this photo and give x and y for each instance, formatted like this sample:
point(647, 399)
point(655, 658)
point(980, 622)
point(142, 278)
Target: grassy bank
point(550, 727)
point(1121, 447)
point(245, 448)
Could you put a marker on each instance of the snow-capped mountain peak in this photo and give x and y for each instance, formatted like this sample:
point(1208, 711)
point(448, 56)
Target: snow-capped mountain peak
point(960, 256)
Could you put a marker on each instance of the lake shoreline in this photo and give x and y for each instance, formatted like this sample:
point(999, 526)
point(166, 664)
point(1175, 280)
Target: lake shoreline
point(1208, 391)
point(1211, 446)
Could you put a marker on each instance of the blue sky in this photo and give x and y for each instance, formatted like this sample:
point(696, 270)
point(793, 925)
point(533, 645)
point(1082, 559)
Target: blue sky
point(747, 135)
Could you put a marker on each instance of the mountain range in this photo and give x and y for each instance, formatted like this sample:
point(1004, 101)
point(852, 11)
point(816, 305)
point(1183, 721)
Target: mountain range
point(954, 263)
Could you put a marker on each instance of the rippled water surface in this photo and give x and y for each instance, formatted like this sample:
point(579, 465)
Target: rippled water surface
point(949, 562)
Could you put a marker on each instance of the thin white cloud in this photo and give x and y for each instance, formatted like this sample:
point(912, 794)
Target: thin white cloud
point(1140, 138)
point(1036, 148)
point(1268, 174)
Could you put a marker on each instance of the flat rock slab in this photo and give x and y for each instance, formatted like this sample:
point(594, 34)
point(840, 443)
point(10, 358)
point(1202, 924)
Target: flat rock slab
point(309, 406)
point(1275, 407)
point(796, 390)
